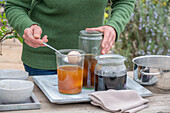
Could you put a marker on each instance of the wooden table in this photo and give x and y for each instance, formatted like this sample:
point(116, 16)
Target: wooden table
point(159, 103)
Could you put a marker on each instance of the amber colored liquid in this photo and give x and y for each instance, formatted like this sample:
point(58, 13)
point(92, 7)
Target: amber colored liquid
point(70, 79)
point(88, 73)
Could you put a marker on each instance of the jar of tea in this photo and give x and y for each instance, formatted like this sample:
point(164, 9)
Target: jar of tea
point(110, 72)
point(89, 42)
point(70, 71)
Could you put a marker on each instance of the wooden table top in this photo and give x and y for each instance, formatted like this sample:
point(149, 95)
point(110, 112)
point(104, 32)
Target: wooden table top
point(157, 103)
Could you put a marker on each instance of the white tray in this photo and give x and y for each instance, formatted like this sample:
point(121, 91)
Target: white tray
point(32, 103)
point(48, 85)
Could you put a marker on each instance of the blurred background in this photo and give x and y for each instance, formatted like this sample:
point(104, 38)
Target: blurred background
point(147, 33)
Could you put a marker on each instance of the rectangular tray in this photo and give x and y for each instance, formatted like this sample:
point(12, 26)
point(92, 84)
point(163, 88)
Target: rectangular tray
point(49, 86)
point(32, 103)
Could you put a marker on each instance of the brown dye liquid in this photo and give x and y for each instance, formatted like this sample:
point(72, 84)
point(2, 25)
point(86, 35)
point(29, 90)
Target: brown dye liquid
point(103, 83)
point(70, 79)
point(88, 73)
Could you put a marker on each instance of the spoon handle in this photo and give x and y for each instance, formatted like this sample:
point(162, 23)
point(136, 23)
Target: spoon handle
point(51, 47)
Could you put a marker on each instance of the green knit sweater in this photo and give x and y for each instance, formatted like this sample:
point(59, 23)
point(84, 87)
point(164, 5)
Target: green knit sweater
point(61, 21)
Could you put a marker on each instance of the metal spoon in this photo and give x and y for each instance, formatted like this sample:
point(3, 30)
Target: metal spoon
point(65, 58)
point(52, 48)
point(49, 46)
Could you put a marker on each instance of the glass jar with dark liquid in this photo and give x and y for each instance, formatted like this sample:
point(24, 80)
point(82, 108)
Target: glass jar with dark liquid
point(110, 72)
point(89, 42)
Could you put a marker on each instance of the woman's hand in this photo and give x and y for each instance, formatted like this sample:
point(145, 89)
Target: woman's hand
point(109, 37)
point(32, 36)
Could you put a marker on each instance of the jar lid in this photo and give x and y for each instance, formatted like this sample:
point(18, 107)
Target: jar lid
point(91, 35)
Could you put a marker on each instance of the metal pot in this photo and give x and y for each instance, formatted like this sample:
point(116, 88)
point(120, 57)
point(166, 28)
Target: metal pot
point(151, 69)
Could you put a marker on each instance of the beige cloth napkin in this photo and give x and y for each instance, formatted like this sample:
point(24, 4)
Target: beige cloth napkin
point(127, 101)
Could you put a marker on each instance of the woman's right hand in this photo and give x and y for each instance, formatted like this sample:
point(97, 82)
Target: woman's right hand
point(32, 36)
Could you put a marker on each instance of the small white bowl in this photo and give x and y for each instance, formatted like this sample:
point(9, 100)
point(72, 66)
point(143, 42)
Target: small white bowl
point(13, 74)
point(15, 91)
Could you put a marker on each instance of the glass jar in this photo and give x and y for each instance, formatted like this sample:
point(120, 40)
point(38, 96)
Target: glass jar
point(110, 72)
point(89, 42)
point(70, 74)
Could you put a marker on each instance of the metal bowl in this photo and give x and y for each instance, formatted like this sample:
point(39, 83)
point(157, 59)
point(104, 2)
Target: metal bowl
point(153, 61)
point(150, 69)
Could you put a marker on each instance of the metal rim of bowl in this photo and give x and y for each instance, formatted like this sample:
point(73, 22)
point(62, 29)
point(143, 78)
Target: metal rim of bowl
point(147, 56)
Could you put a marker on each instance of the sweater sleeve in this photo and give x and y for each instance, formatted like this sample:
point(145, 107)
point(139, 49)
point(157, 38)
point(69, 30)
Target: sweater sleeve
point(17, 14)
point(120, 14)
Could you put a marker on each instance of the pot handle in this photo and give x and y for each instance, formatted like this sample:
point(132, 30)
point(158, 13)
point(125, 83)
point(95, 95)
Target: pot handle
point(152, 74)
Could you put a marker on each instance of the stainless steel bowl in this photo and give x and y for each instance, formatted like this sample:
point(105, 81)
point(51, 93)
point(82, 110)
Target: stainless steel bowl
point(150, 69)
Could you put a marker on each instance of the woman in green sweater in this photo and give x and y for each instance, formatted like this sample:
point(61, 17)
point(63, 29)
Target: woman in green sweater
point(58, 23)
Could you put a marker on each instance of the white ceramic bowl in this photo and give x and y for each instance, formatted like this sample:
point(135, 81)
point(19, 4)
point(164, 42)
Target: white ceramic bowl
point(13, 74)
point(15, 91)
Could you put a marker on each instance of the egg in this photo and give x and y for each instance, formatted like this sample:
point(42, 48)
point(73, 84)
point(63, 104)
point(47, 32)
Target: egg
point(74, 57)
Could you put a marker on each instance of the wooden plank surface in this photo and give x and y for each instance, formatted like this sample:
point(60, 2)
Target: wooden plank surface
point(157, 103)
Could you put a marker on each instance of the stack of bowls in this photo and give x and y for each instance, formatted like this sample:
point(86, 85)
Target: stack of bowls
point(14, 87)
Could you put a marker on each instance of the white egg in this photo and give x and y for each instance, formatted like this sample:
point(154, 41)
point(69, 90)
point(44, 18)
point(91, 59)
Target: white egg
point(74, 57)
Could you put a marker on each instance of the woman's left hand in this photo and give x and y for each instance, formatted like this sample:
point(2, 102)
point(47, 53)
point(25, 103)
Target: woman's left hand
point(109, 37)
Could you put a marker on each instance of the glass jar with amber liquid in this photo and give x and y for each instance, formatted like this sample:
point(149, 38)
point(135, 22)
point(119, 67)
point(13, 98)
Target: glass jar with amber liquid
point(70, 74)
point(89, 42)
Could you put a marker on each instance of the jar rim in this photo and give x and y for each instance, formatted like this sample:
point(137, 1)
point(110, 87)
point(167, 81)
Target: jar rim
point(91, 35)
point(110, 58)
point(64, 52)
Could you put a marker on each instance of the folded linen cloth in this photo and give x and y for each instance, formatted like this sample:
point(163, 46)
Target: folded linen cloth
point(124, 101)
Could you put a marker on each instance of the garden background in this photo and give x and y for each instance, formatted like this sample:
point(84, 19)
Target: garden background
point(147, 33)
